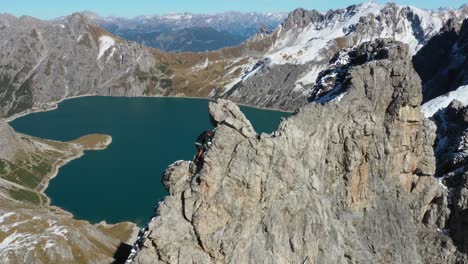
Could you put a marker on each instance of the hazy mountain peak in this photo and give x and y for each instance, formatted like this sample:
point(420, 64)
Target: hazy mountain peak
point(180, 31)
point(90, 14)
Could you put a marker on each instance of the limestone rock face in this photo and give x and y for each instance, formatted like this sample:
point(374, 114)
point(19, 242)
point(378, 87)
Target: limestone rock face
point(345, 181)
point(227, 113)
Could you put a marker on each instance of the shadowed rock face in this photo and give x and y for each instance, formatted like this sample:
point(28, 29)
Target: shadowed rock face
point(339, 182)
point(442, 63)
point(452, 160)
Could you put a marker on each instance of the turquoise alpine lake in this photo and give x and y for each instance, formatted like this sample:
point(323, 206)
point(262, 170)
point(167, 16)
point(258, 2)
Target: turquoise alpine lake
point(122, 182)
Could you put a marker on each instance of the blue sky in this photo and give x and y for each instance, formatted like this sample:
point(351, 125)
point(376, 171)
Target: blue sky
point(53, 8)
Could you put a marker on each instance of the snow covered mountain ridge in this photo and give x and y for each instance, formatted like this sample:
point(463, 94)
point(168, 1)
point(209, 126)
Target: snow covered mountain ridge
point(306, 41)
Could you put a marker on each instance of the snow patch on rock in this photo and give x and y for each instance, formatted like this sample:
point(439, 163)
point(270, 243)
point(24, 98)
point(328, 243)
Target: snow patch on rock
point(438, 103)
point(5, 216)
point(105, 43)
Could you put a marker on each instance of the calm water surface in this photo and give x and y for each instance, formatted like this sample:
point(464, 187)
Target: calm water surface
point(122, 183)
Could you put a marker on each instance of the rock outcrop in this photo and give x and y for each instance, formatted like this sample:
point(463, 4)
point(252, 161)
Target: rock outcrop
point(347, 181)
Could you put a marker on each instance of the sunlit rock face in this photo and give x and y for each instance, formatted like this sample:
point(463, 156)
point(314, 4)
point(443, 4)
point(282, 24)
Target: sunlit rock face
point(343, 180)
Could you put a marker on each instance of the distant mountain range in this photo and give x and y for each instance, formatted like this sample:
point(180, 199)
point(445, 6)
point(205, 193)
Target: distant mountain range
point(187, 31)
point(44, 62)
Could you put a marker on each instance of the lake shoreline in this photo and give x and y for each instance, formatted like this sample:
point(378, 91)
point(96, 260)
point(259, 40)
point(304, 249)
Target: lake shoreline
point(46, 108)
point(76, 151)
point(54, 105)
point(62, 162)
point(73, 156)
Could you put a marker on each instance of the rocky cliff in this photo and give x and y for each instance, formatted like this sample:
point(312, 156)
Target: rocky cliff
point(345, 180)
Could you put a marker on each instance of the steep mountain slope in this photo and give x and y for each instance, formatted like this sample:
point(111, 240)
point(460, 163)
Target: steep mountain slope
point(182, 32)
point(31, 231)
point(43, 63)
point(354, 188)
point(278, 69)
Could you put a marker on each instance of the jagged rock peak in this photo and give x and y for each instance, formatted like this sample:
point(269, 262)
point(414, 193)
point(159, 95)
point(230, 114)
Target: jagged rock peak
point(451, 147)
point(79, 19)
point(463, 35)
point(336, 183)
point(301, 18)
point(225, 112)
point(262, 33)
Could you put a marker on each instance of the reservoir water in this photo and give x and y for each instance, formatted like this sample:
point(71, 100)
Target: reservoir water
point(122, 182)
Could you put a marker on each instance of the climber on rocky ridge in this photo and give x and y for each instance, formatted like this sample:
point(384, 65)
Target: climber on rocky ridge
point(202, 142)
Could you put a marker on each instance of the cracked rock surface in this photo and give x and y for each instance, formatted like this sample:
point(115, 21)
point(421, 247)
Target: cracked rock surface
point(347, 181)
